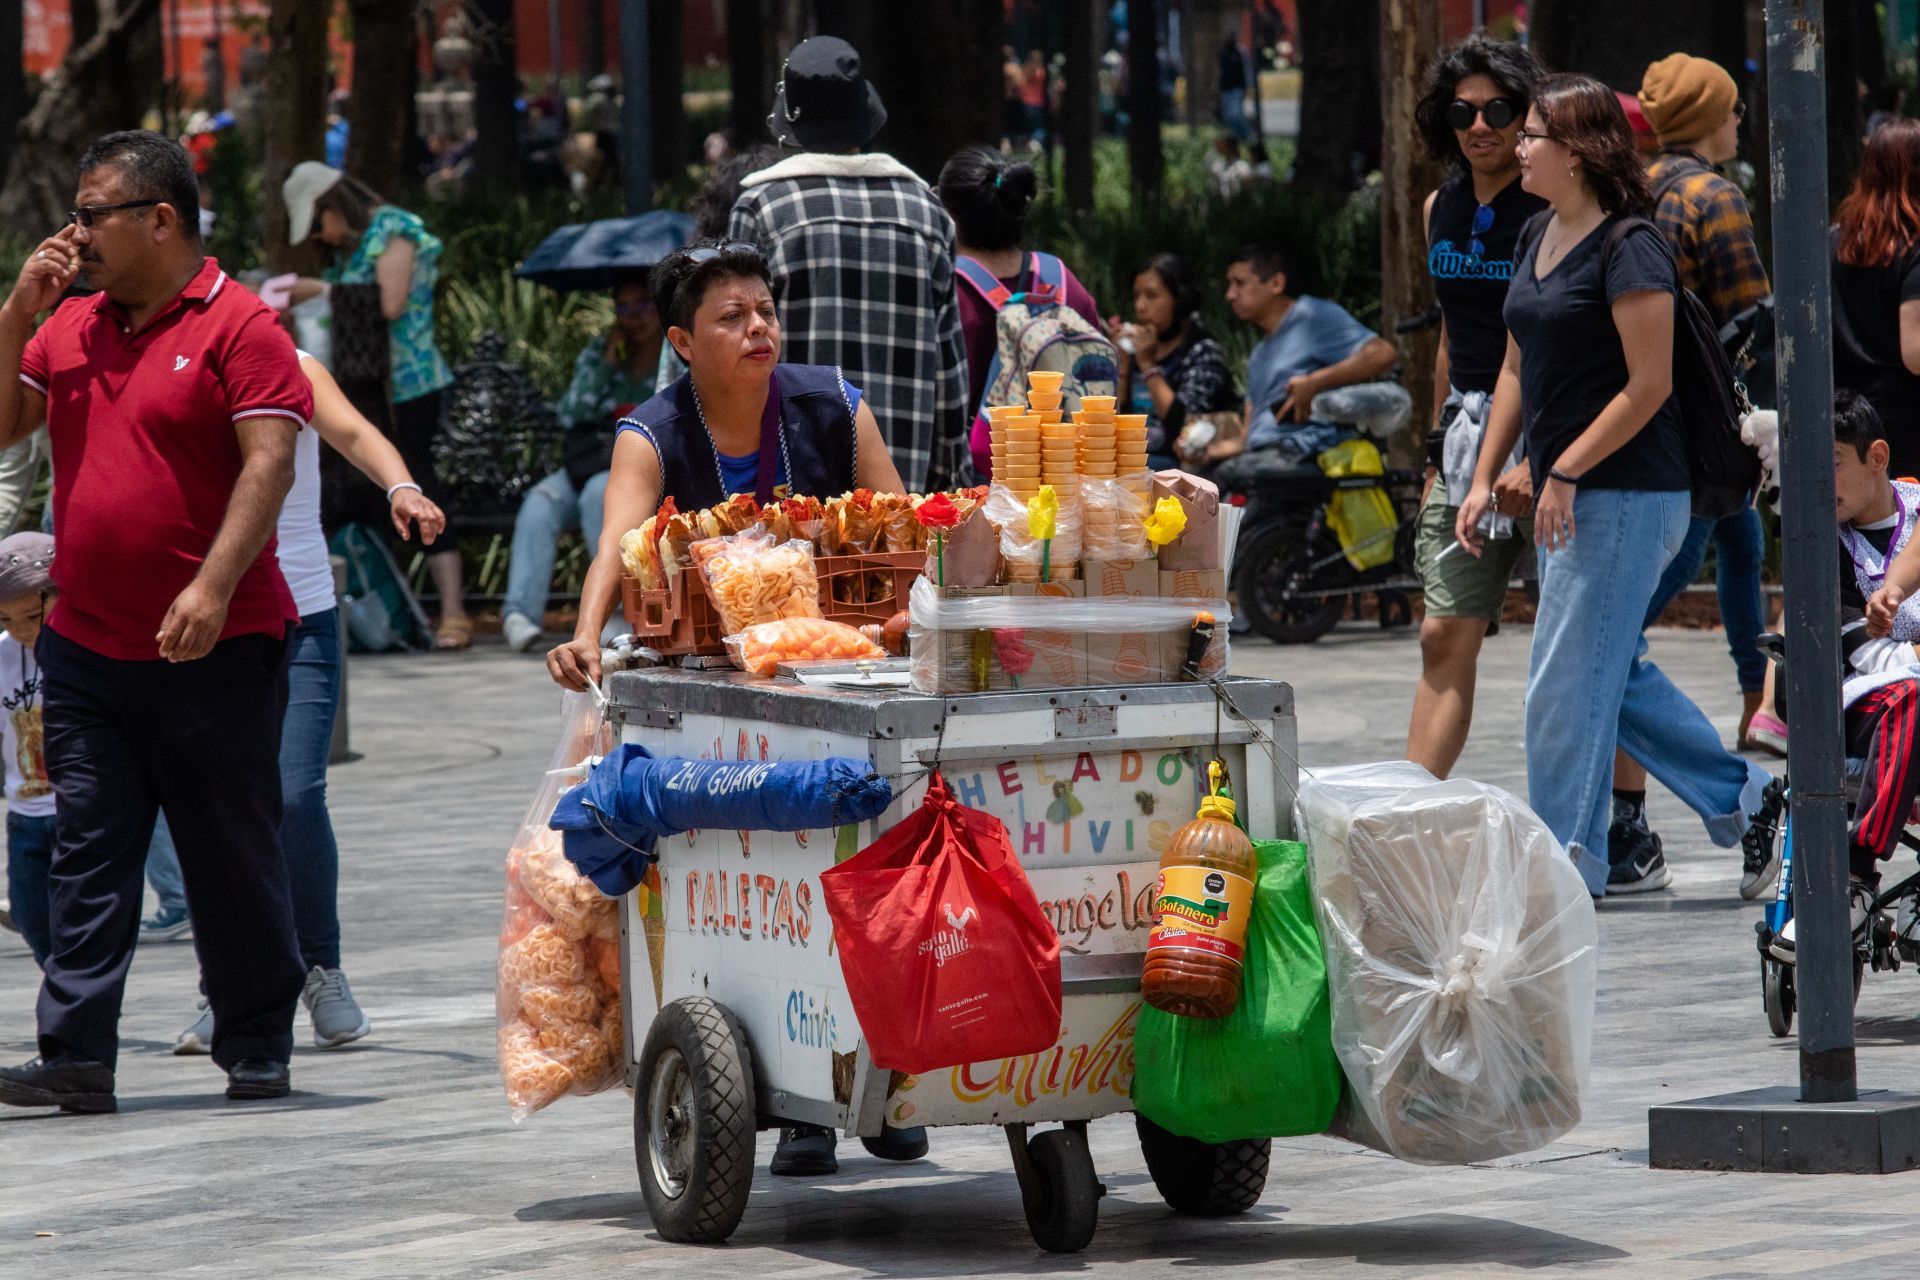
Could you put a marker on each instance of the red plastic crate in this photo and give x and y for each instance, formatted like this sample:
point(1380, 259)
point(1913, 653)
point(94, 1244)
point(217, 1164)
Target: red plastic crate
point(675, 621)
point(868, 601)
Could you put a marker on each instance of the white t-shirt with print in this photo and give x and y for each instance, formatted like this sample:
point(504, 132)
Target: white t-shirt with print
point(22, 735)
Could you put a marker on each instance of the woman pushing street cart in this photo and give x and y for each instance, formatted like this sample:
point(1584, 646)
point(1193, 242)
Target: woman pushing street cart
point(737, 422)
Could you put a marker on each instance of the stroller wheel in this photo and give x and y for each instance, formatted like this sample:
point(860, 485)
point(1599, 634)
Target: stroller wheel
point(1776, 992)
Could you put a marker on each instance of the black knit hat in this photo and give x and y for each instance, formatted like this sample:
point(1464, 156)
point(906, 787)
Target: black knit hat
point(824, 102)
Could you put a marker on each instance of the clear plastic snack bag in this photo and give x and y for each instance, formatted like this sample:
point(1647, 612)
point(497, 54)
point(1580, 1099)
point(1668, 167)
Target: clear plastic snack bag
point(751, 578)
point(557, 992)
point(1462, 958)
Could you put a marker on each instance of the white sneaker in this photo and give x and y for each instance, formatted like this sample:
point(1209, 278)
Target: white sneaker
point(197, 1038)
point(1859, 911)
point(522, 632)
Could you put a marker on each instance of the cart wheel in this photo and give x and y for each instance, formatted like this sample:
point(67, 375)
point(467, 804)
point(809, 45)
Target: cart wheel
point(1776, 991)
point(693, 1122)
point(1064, 1202)
point(1211, 1179)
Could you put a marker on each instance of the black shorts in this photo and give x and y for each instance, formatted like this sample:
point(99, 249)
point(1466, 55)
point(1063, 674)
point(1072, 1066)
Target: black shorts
point(416, 424)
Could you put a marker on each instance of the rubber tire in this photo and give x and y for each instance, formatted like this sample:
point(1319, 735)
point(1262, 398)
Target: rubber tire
point(1065, 1206)
point(1776, 994)
point(712, 1042)
point(1271, 554)
point(1206, 1179)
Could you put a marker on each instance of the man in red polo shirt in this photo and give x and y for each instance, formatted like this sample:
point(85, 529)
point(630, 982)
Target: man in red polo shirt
point(172, 399)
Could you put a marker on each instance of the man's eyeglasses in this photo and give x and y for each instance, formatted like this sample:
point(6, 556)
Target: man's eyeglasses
point(641, 307)
point(87, 214)
point(1482, 223)
point(1499, 113)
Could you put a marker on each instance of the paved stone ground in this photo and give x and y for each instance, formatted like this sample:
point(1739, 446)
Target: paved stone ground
point(395, 1158)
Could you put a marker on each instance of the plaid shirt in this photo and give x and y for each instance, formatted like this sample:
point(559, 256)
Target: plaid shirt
point(862, 259)
point(1705, 219)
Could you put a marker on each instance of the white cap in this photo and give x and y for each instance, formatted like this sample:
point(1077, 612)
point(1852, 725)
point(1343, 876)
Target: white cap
point(306, 184)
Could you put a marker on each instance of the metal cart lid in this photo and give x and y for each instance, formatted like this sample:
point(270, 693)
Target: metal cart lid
point(895, 714)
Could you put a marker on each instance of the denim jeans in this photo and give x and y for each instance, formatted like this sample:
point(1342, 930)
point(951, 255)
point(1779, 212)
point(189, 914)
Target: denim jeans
point(551, 508)
point(29, 854)
point(1740, 548)
point(1589, 681)
point(306, 830)
point(163, 869)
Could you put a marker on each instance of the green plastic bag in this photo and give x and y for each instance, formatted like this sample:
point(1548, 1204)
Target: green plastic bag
point(1266, 1070)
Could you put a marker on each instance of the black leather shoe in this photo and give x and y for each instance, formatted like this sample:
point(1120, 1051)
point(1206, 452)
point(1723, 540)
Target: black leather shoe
point(805, 1151)
point(73, 1084)
point(257, 1078)
point(898, 1144)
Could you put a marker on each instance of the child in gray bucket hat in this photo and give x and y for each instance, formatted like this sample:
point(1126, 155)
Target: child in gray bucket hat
point(26, 593)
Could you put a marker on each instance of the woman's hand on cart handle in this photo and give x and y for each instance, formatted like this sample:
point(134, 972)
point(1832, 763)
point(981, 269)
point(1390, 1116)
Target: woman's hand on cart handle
point(575, 663)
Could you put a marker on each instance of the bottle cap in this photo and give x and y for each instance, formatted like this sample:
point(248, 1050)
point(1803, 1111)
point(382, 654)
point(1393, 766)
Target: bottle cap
point(1218, 806)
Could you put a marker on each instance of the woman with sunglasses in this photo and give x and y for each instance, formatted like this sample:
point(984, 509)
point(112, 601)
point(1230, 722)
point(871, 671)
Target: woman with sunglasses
point(737, 421)
point(1588, 378)
point(1470, 114)
point(612, 376)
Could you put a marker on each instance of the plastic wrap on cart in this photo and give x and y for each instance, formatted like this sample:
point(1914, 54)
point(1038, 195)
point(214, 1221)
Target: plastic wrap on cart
point(631, 798)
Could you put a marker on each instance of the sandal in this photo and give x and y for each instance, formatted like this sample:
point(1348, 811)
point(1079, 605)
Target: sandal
point(453, 633)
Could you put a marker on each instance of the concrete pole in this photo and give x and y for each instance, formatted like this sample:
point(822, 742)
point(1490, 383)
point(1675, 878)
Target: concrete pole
point(1797, 118)
point(636, 122)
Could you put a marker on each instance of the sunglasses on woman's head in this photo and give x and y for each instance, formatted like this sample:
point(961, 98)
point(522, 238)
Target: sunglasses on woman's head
point(1498, 113)
point(707, 253)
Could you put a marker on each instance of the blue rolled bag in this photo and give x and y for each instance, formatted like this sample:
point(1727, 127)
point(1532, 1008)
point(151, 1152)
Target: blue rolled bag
point(609, 823)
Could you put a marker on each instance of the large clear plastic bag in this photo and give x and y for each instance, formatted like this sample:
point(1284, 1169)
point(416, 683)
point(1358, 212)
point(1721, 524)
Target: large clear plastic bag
point(1462, 960)
point(557, 992)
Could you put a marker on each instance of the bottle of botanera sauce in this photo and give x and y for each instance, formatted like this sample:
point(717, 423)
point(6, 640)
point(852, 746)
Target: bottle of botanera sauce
point(1201, 908)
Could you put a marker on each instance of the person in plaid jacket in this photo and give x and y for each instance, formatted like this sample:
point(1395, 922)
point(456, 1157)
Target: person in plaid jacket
point(862, 257)
point(1694, 108)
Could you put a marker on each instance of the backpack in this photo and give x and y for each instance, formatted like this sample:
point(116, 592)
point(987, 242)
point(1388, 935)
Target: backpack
point(382, 612)
point(1036, 330)
point(1723, 469)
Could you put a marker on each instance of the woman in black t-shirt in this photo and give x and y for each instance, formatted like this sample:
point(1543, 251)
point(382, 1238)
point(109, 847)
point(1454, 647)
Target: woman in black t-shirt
point(1589, 373)
point(1876, 288)
point(1470, 114)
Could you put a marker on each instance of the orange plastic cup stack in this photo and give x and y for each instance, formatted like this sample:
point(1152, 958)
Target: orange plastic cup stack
point(1130, 443)
point(1021, 474)
point(997, 416)
point(1097, 457)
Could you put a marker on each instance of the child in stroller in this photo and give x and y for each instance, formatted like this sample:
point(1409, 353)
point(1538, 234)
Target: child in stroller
point(1879, 567)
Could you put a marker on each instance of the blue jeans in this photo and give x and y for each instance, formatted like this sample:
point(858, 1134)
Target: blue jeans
point(306, 830)
point(551, 508)
point(1589, 681)
point(163, 869)
point(29, 854)
point(1233, 113)
point(1740, 548)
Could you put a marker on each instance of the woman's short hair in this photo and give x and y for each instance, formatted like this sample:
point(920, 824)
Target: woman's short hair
point(1512, 68)
point(988, 196)
point(1178, 279)
point(1586, 118)
point(681, 279)
point(352, 199)
point(1880, 218)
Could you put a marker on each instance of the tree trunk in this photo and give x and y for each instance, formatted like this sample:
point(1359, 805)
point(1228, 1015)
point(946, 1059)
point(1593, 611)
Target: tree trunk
point(1411, 31)
point(939, 76)
point(496, 126)
point(84, 18)
point(593, 37)
point(666, 79)
point(296, 116)
point(1144, 157)
point(1209, 24)
point(750, 70)
point(383, 57)
point(13, 89)
point(105, 84)
point(1340, 126)
point(1617, 41)
point(1080, 104)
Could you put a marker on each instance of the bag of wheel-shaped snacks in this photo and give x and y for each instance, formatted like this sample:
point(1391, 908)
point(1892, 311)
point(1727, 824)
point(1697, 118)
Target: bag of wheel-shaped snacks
point(558, 986)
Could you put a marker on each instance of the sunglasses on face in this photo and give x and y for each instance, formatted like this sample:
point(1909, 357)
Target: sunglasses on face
point(644, 307)
point(87, 214)
point(1498, 113)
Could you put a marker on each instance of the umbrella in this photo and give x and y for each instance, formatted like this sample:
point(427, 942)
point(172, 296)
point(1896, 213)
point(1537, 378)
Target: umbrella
point(589, 255)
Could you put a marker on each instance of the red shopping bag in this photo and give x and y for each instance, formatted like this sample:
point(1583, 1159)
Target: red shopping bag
point(945, 952)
